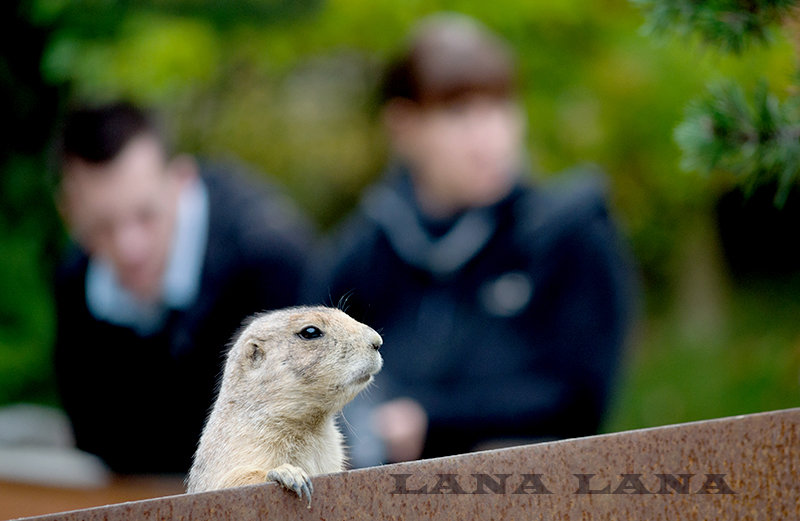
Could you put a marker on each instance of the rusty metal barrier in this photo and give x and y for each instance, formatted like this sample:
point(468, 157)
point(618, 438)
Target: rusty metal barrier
point(745, 467)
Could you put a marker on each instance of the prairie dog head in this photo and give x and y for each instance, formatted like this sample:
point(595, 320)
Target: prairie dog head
point(303, 361)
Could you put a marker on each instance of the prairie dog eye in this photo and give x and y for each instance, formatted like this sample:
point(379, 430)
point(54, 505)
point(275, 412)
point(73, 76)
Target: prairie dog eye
point(310, 332)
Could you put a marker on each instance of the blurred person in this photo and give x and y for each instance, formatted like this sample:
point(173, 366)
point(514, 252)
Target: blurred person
point(170, 255)
point(503, 306)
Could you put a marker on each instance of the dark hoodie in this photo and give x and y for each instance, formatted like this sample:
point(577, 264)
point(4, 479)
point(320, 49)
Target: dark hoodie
point(504, 322)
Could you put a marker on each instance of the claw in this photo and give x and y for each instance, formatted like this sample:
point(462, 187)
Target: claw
point(294, 479)
point(305, 488)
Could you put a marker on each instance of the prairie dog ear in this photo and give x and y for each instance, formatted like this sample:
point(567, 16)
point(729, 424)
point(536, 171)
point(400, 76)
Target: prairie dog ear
point(254, 353)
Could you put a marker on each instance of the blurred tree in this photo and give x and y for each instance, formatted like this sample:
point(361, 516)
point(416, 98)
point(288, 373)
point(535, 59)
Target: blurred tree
point(745, 139)
point(758, 139)
point(730, 24)
point(749, 142)
point(29, 231)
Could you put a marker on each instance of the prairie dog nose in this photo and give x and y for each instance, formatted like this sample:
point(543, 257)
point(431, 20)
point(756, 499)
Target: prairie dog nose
point(374, 339)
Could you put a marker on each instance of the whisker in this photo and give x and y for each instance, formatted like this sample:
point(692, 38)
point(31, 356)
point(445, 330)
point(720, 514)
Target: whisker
point(344, 304)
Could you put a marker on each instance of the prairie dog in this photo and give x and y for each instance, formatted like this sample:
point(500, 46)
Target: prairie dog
point(287, 375)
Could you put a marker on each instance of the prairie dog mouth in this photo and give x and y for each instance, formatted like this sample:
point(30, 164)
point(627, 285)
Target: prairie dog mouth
point(364, 375)
point(364, 378)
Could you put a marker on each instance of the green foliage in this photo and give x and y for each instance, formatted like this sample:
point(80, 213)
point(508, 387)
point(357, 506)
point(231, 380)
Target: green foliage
point(27, 233)
point(758, 141)
point(675, 378)
point(729, 24)
point(755, 141)
point(107, 72)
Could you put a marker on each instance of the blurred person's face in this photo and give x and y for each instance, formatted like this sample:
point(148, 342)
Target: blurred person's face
point(124, 211)
point(465, 153)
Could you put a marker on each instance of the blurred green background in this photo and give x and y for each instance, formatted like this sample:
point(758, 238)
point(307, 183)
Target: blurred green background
point(288, 85)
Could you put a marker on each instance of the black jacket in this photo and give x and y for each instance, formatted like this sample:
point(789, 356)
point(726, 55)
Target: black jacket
point(506, 322)
point(140, 402)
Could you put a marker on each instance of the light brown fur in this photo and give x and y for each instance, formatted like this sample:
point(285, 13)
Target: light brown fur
point(274, 417)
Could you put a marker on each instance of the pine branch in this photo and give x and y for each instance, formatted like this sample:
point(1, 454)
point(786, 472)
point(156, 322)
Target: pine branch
point(758, 141)
point(729, 24)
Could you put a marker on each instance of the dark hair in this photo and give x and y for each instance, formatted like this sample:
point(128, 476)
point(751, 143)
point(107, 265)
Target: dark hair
point(97, 134)
point(450, 56)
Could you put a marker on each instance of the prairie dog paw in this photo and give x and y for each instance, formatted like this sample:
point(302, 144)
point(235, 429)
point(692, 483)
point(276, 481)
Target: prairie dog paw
point(293, 478)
